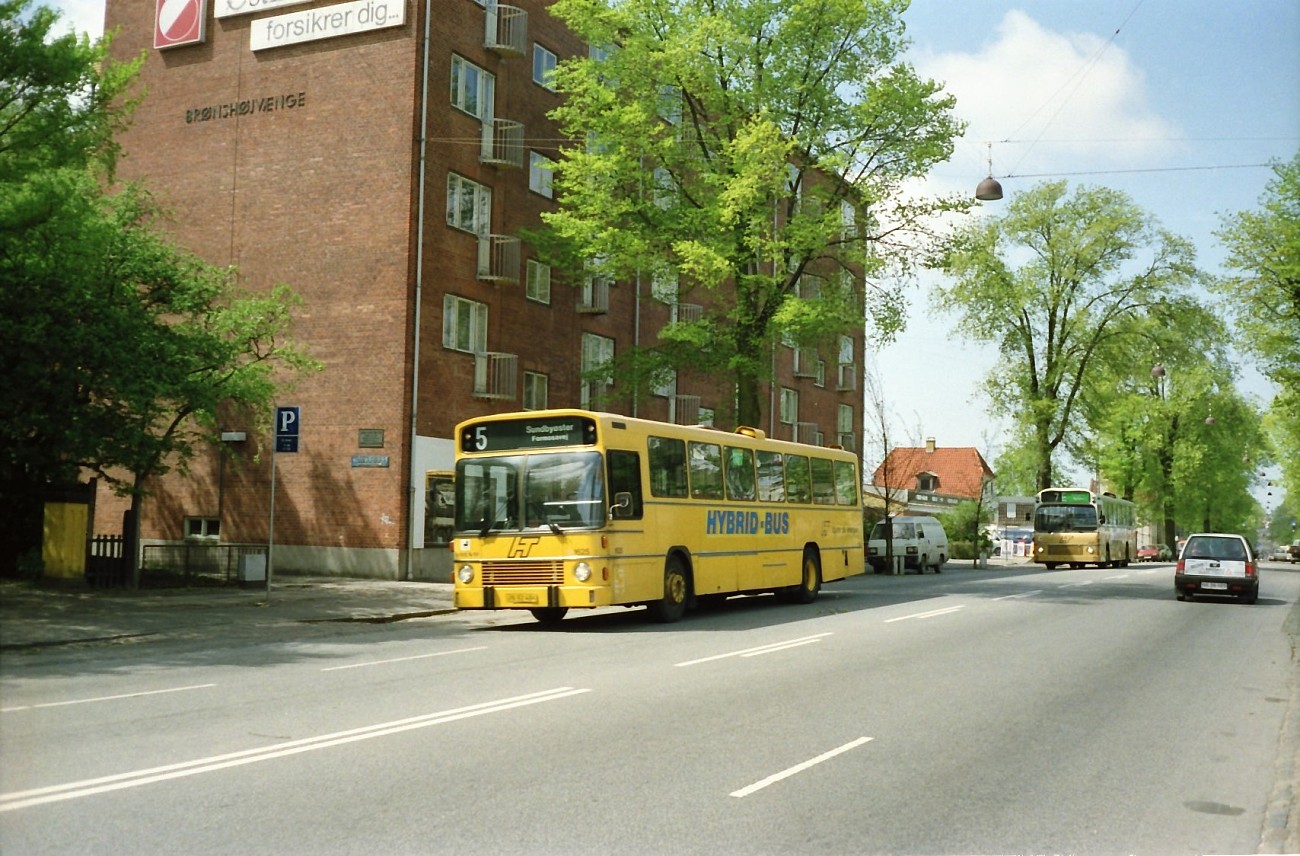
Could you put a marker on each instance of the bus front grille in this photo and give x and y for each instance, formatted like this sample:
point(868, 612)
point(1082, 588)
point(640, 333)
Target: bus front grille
point(1060, 550)
point(523, 573)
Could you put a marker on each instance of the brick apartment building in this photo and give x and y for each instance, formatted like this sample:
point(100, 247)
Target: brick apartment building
point(382, 157)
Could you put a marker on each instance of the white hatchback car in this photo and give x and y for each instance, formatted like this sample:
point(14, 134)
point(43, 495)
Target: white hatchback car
point(1219, 564)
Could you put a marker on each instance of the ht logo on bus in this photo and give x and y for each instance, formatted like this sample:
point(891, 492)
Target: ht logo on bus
point(521, 546)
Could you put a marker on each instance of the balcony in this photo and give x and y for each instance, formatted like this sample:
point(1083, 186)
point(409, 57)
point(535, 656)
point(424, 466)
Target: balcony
point(498, 258)
point(806, 432)
point(495, 375)
point(847, 441)
point(805, 362)
point(593, 297)
point(506, 31)
point(503, 143)
point(685, 409)
point(687, 313)
point(847, 377)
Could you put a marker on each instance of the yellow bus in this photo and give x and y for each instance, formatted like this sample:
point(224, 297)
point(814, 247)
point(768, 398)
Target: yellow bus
point(1077, 527)
point(571, 509)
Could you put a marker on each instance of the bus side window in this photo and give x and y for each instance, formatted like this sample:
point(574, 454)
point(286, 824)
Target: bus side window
point(740, 473)
point(706, 470)
point(798, 486)
point(846, 483)
point(667, 466)
point(823, 482)
point(625, 477)
point(771, 477)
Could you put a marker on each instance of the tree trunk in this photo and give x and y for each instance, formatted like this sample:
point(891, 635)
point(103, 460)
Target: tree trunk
point(749, 407)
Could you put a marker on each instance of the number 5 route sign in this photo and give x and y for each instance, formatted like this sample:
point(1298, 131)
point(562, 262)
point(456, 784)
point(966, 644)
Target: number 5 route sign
point(286, 429)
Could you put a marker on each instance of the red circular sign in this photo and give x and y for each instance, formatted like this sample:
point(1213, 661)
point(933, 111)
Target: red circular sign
point(178, 22)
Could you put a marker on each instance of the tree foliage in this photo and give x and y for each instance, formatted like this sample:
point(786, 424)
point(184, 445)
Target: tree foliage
point(1054, 283)
point(117, 348)
point(747, 156)
point(1262, 294)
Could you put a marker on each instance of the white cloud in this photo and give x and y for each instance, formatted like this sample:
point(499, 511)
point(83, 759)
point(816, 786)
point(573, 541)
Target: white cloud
point(80, 16)
point(1065, 101)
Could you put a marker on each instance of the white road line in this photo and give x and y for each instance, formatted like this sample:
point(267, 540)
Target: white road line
point(402, 659)
point(136, 778)
point(931, 614)
point(799, 768)
point(1117, 577)
point(1022, 594)
point(783, 647)
point(762, 649)
point(104, 698)
point(1078, 585)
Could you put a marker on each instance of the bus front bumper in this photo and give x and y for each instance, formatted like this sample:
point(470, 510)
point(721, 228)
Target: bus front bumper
point(532, 597)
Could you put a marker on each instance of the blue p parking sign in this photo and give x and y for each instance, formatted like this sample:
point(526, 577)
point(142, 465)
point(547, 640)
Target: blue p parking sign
point(287, 422)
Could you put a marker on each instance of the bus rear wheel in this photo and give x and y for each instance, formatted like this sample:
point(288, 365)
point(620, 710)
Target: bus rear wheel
point(672, 606)
point(810, 582)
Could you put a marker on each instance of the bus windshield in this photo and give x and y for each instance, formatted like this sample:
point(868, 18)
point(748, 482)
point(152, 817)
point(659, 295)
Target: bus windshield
point(565, 490)
point(1065, 518)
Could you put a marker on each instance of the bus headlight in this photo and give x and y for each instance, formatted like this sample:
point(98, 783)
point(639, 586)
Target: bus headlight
point(465, 573)
point(582, 572)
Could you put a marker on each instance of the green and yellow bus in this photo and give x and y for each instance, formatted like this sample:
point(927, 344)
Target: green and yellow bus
point(1077, 527)
point(571, 509)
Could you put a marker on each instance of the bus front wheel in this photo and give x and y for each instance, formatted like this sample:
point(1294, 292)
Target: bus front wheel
point(672, 606)
point(549, 614)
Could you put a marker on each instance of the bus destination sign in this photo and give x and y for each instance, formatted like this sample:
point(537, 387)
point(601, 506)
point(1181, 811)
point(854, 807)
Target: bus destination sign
point(1068, 497)
point(528, 434)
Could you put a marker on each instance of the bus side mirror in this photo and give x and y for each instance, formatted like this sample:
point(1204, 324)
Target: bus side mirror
point(1101, 518)
point(622, 506)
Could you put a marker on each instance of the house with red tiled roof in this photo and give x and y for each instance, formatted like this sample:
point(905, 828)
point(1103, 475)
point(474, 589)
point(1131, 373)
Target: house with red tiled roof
point(931, 479)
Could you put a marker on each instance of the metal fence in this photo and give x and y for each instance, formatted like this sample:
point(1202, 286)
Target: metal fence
point(200, 564)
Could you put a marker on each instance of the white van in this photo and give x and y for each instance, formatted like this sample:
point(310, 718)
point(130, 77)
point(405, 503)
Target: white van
point(921, 542)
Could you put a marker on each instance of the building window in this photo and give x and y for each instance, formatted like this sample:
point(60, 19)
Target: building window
point(927, 482)
point(534, 391)
point(789, 406)
point(543, 67)
point(538, 285)
point(597, 354)
point(540, 174)
point(844, 419)
point(202, 528)
point(464, 324)
point(472, 88)
point(469, 204)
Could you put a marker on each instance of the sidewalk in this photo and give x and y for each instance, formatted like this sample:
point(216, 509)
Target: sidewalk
point(42, 614)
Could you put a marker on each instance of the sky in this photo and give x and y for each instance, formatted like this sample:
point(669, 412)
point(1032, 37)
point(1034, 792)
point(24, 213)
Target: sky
point(1180, 104)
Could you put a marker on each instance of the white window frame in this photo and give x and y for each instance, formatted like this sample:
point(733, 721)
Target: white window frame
point(469, 205)
point(202, 528)
point(473, 89)
point(535, 391)
point(538, 282)
point(789, 406)
point(464, 324)
point(596, 351)
point(844, 419)
point(544, 62)
point(541, 173)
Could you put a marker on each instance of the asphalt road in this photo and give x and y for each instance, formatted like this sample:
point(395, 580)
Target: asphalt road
point(1081, 711)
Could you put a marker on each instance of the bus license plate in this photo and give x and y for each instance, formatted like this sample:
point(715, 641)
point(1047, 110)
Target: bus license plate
point(1215, 586)
point(520, 598)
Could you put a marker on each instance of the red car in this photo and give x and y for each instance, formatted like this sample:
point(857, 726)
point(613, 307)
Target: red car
point(1148, 553)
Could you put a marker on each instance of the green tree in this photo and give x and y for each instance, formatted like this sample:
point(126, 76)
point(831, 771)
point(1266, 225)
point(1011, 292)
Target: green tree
point(117, 348)
point(1262, 294)
point(1053, 282)
point(745, 155)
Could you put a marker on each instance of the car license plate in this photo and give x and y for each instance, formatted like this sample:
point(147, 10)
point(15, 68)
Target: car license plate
point(520, 598)
point(1215, 586)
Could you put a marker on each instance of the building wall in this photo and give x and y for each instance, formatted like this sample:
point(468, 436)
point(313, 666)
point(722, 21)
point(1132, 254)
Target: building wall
point(301, 164)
